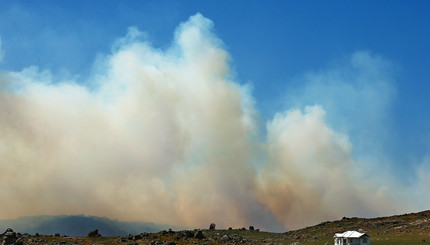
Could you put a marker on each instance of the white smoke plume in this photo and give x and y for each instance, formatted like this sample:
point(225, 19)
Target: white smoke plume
point(165, 136)
point(168, 136)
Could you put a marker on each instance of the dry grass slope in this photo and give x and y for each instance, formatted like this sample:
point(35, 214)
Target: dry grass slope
point(405, 229)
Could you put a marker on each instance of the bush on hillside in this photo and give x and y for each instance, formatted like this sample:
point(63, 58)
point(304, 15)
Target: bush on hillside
point(94, 233)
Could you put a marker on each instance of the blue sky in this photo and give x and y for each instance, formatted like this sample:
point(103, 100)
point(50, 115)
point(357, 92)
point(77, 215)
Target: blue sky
point(270, 44)
point(365, 63)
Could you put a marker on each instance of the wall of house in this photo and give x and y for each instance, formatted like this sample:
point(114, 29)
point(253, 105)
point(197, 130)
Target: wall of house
point(352, 241)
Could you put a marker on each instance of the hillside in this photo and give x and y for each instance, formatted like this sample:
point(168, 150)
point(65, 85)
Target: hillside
point(413, 228)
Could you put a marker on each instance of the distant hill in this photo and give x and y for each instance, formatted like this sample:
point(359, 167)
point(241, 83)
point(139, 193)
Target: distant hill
point(78, 225)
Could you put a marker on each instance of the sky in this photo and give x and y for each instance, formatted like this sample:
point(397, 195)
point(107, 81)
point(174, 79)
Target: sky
point(277, 114)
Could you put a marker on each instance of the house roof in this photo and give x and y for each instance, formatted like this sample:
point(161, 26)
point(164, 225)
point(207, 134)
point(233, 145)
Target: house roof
point(350, 234)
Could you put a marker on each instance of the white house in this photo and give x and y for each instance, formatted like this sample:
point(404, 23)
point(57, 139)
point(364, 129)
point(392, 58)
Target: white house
point(351, 238)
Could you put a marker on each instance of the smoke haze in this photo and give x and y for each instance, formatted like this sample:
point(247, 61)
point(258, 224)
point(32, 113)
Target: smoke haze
point(169, 136)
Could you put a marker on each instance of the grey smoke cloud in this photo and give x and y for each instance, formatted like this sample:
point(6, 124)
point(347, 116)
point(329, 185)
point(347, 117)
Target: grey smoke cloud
point(310, 174)
point(168, 136)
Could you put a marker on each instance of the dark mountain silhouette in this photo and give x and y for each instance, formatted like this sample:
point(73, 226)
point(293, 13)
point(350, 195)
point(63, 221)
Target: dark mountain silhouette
point(78, 225)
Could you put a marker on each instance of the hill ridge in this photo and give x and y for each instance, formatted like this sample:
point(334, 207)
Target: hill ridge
point(78, 225)
point(409, 223)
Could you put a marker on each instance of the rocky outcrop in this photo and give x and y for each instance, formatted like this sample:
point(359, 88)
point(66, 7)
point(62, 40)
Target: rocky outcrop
point(9, 237)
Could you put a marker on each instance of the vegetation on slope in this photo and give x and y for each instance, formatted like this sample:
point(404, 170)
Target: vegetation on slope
point(409, 229)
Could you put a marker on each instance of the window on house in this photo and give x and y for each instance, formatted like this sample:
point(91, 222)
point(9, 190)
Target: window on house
point(365, 239)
